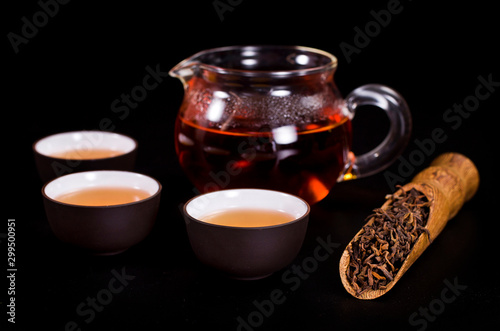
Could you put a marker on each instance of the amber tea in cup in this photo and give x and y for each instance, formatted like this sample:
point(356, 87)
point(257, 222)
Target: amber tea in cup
point(86, 154)
point(104, 212)
point(85, 145)
point(248, 217)
point(75, 151)
point(246, 233)
point(103, 196)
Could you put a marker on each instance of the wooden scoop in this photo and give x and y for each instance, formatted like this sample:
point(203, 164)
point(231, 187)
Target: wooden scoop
point(450, 180)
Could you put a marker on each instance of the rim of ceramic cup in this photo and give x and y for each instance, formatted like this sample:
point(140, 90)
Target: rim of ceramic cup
point(84, 140)
point(101, 178)
point(267, 199)
point(251, 50)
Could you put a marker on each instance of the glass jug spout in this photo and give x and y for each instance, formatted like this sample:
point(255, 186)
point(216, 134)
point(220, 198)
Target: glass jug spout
point(185, 70)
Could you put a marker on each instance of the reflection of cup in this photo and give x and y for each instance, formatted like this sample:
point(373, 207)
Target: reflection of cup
point(272, 117)
point(123, 217)
point(246, 251)
point(76, 151)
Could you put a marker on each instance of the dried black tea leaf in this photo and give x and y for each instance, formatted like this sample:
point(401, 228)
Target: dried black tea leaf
point(382, 246)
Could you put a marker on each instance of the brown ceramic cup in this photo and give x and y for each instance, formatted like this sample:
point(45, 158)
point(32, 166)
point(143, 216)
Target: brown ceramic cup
point(106, 229)
point(246, 252)
point(116, 152)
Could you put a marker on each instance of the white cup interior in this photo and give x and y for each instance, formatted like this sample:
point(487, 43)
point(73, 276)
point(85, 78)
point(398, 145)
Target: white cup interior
point(100, 178)
point(84, 141)
point(217, 201)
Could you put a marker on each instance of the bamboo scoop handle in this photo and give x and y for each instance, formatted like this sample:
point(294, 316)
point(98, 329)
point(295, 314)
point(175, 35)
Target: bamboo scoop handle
point(450, 181)
point(455, 176)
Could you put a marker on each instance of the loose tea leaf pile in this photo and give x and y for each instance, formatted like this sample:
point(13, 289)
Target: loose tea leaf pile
point(382, 246)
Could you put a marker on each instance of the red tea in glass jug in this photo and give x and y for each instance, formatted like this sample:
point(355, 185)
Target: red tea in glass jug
point(272, 117)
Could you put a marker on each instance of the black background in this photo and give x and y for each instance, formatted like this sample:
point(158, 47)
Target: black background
point(82, 59)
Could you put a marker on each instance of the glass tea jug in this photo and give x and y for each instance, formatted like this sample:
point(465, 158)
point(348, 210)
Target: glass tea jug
point(272, 117)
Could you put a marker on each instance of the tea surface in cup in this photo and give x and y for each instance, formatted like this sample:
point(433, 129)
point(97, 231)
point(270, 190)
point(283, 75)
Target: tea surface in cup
point(103, 196)
point(86, 154)
point(248, 217)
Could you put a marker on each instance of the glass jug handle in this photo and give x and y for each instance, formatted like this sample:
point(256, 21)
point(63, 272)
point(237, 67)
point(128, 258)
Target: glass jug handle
point(397, 138)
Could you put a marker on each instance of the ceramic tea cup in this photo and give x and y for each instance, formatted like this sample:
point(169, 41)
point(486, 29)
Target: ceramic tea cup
point(76, 151)
point(225, 235)
point(104, 212)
